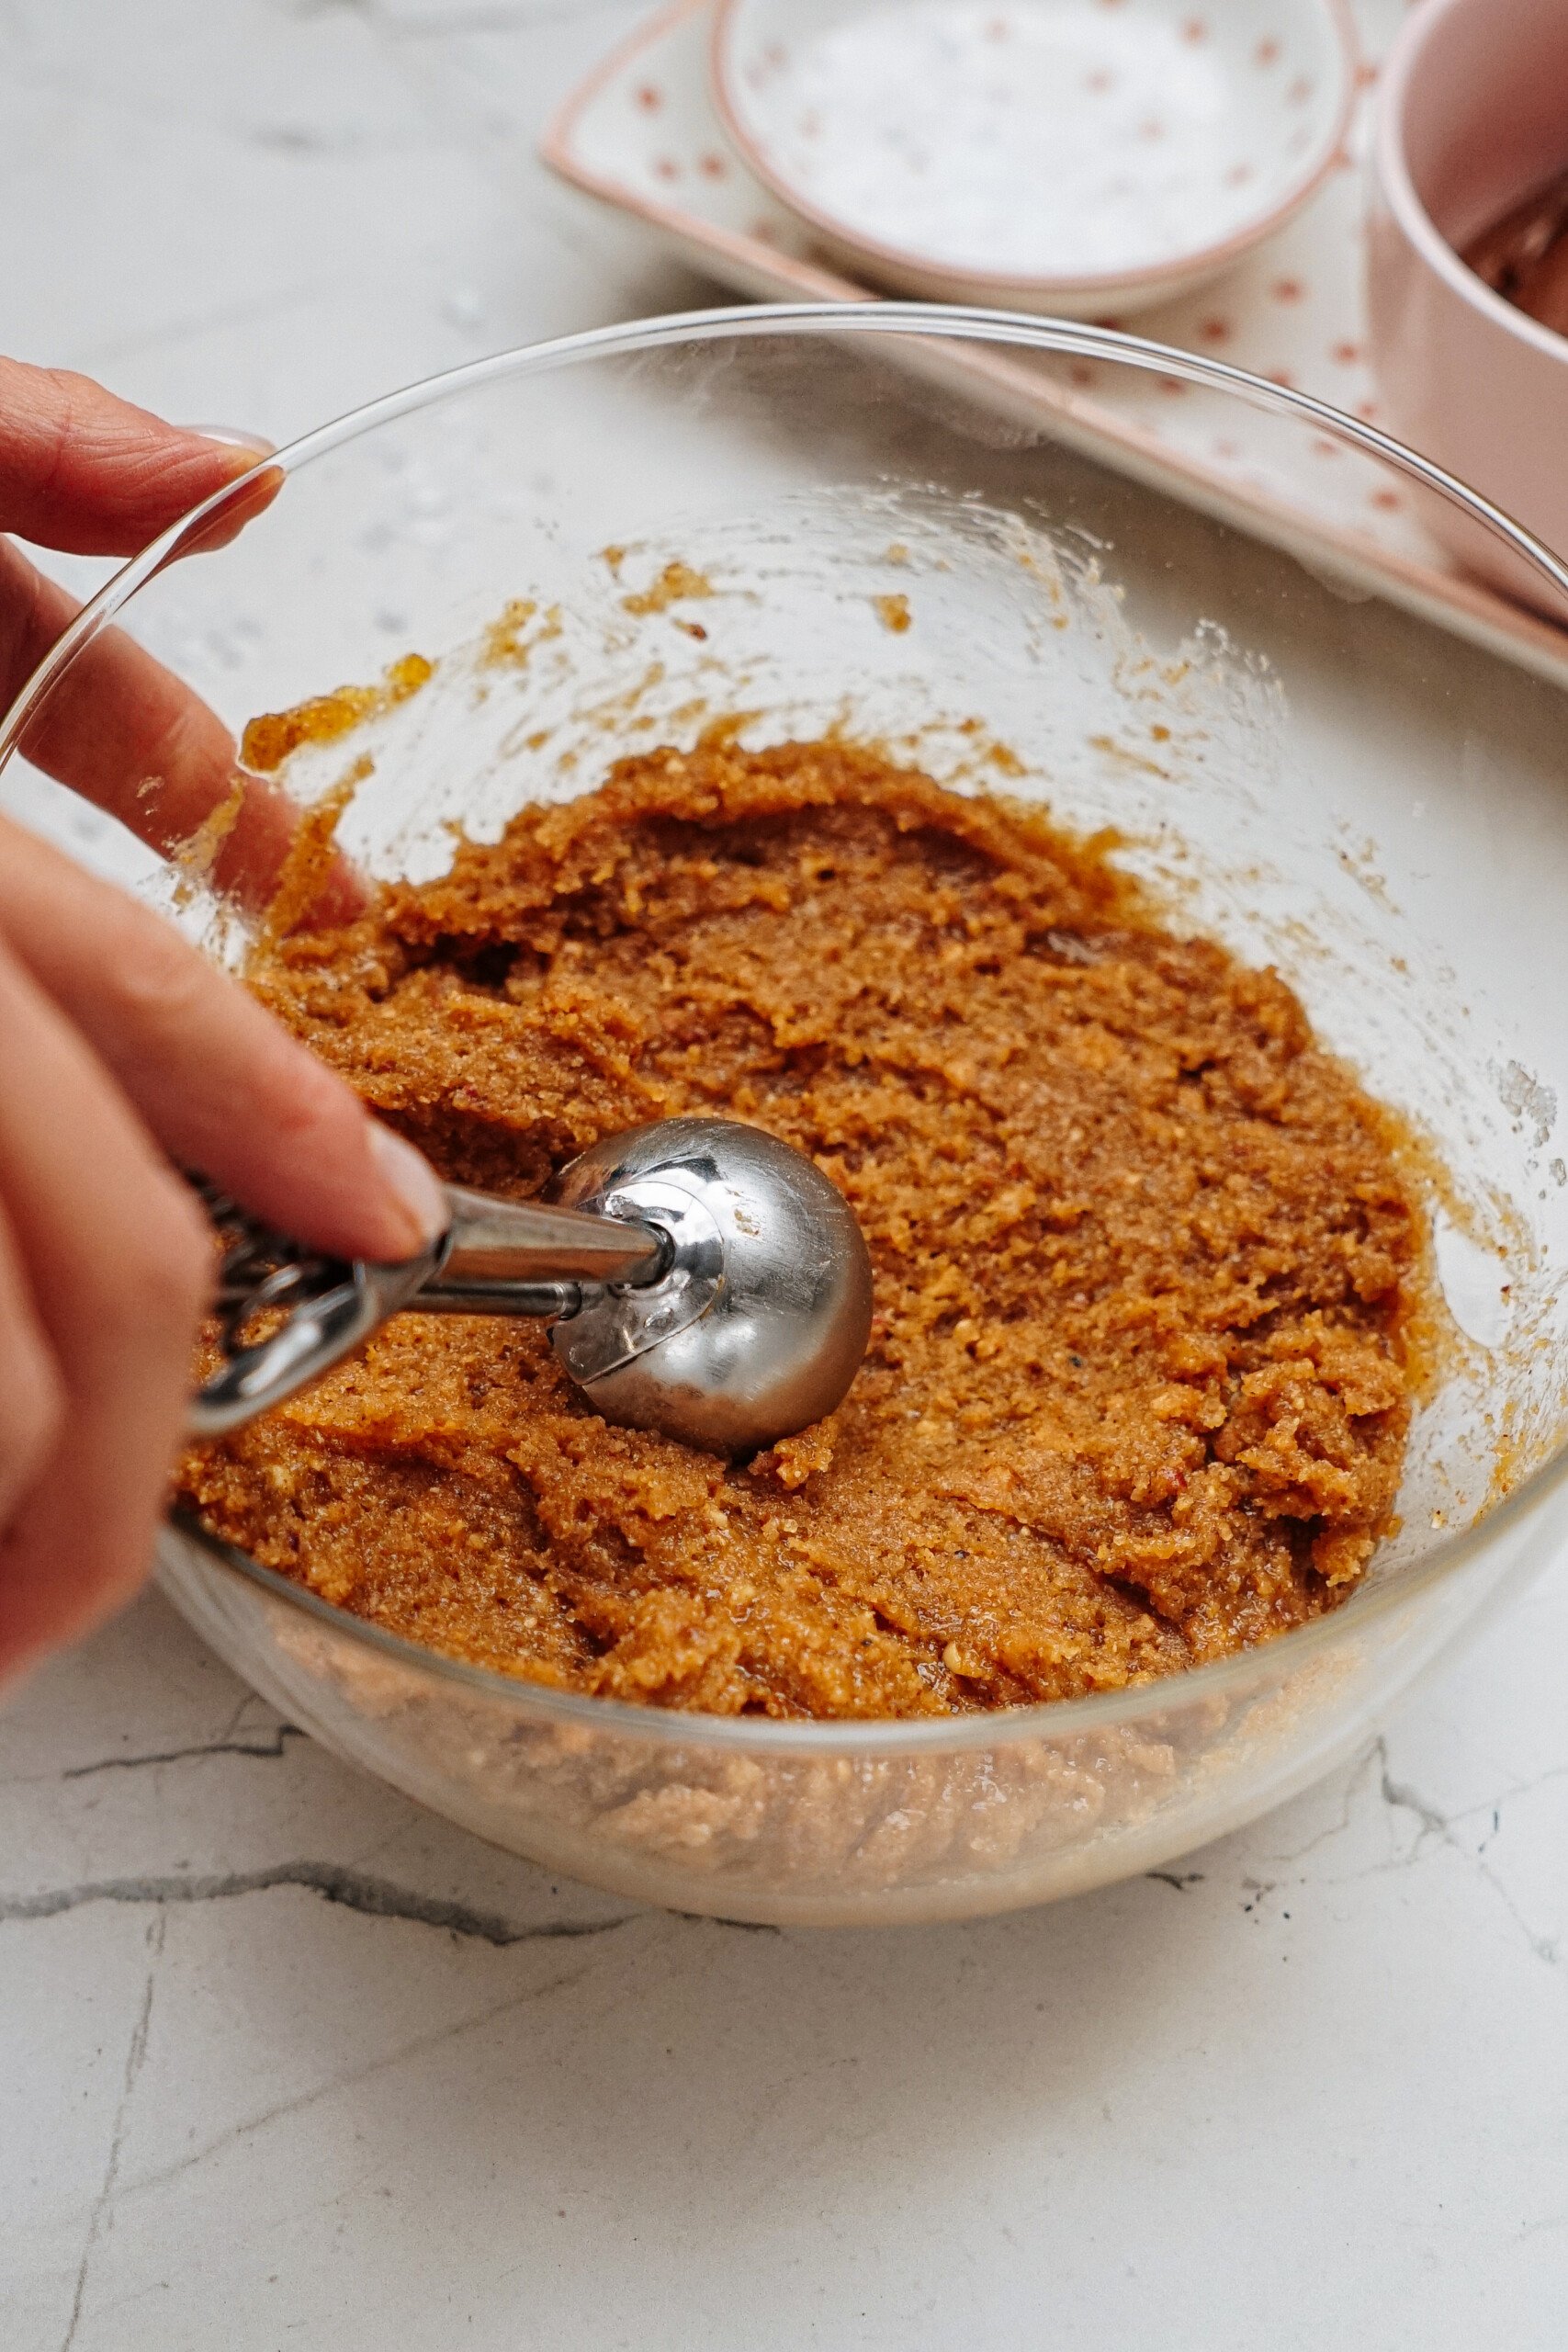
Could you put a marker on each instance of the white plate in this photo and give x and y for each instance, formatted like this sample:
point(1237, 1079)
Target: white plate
point(1050, 155)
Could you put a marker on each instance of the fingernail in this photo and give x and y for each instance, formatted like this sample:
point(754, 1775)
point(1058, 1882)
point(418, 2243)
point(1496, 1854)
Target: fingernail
point(417, 1187)
point(255, 443)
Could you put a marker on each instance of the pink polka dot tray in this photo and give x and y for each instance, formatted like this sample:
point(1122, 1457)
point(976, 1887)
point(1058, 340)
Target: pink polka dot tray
point(642, 134)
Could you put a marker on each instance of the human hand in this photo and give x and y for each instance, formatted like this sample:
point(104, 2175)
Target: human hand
point(87, 473)
point(124, 1053)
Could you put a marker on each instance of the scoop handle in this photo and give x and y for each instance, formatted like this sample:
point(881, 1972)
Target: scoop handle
point(497, 1256)
point(495, 1241)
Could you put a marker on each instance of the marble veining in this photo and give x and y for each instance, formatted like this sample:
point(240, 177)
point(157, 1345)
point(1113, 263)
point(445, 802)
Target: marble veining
point(284, 2061)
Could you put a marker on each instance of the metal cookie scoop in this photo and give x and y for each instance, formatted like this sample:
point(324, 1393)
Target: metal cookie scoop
point(700, 1278)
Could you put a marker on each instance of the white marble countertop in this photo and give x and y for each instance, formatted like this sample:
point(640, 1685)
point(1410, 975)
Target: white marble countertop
point(286, 2061)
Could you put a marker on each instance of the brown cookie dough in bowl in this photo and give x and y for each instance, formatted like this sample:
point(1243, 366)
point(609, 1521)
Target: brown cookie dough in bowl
point(880, 526)
point(1135, 1396)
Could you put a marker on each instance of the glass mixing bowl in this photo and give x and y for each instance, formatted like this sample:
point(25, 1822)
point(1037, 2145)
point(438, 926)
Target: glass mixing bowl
point(891, 522)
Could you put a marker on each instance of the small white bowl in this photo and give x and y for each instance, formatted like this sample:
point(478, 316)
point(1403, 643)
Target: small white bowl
point(1072, 156)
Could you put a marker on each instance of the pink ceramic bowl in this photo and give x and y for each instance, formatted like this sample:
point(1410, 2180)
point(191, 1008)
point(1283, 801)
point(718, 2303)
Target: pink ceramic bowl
point(1473, 115)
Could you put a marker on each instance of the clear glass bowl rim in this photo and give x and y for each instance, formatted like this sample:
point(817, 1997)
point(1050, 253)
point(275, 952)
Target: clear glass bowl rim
point(757, 321)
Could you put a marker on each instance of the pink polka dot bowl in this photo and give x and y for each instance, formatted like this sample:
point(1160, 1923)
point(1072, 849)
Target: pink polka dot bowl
point(1471, 118)
point(1078, 157)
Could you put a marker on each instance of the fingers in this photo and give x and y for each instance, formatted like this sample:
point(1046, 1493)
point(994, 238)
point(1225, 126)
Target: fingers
point(32, 1398)
point(125, 732)
point(117, 1269)
point(84, 471)
point(220, 1083)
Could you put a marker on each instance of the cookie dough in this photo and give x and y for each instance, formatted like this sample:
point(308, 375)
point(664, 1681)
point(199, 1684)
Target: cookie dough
point(1137, 1394)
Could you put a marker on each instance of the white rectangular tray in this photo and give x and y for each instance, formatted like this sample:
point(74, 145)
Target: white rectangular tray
point(641, 134)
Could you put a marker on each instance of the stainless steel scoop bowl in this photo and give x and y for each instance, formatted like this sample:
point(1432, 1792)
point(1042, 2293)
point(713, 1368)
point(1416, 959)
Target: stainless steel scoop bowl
point(700, 1278)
